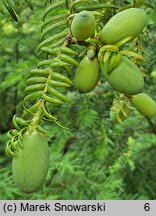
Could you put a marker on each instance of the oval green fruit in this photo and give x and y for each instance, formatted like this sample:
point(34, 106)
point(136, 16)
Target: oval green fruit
point(87, 75)
point(30, 167)
point(83, 25)
point(144, 104)
point(125, 78)
point(128, 23)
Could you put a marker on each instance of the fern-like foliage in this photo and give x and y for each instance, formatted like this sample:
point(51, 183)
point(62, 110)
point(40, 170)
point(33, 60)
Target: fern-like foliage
point(42, 89)
point(45, 82)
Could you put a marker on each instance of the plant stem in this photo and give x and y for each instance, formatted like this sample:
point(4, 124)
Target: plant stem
point(153, 128)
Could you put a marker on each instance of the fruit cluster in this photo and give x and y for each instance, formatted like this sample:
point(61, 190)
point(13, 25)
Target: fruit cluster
point(108, 56)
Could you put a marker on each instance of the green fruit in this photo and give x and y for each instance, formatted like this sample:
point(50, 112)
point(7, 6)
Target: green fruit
point(128, 23)
point(83, 25)
point(125, 78)
point(144, 104)
point(87, 75)
point(30, 167)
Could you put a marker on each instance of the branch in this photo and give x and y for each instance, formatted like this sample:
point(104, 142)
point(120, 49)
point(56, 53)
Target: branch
point(153, 127)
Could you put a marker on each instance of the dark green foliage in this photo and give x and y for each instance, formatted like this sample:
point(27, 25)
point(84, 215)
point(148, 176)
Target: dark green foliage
point(95, 159)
